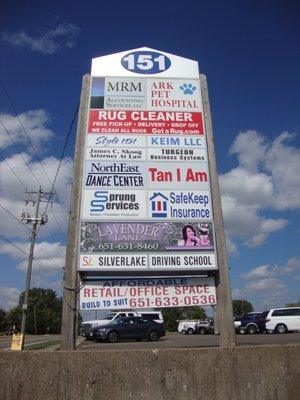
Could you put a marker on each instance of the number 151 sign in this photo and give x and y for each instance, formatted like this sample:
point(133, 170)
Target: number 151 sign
point(146, 62)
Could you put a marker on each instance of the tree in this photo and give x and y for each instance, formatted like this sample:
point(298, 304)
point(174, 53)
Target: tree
point(44, 311)
point(241, 307)
point(293, 304)
point(14, 318)
point(172, 315)
point(3, 321)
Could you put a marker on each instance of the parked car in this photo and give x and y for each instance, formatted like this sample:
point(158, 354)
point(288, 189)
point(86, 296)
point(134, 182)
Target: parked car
point(204, 327)
point(283, 320)
point(188, 326)
point(237, 321)
point(137, 328)
point(253, 322)
point(86, 326)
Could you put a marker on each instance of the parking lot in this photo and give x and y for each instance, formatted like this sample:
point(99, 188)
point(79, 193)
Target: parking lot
point(175, 340)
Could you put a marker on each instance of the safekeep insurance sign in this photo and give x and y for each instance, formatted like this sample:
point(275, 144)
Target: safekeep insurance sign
point(146, 198)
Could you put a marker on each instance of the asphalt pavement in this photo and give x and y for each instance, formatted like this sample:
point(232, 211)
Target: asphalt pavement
point(5, 341)
point(175, 340)
point(171, 340)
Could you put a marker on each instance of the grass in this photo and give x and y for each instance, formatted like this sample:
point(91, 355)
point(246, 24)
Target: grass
point(44, 345)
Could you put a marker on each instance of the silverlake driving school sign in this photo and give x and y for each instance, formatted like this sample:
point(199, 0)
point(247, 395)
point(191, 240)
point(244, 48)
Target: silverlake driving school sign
point(147, 226)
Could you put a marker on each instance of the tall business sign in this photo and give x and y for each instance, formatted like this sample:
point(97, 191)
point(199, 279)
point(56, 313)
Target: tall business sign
point(146, 203)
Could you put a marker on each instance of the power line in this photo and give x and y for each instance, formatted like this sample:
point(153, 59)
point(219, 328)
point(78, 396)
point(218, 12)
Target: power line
point(63, 152)
point(7, 163)
point(25, 226)
point(50, 276)
point(14, 217)
point(19, 152)
point(26, 135)
point(7, 240)
point(36, 261)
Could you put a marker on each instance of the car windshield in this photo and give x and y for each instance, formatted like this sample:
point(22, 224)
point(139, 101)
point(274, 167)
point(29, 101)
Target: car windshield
point(114, 322)
point(110, 316)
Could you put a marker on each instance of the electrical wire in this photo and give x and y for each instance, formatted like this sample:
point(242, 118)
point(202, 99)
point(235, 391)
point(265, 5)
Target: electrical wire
point(19, 152)
point(7, 240)
point(7, 163)
point(14, 217)
point(27, 255)
point(26, 135)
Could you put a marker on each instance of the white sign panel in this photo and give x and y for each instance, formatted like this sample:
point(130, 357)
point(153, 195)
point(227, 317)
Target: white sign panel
point(147, 293)
point(116, 153)
point(180, 205)
point(144, 262)
point(145, 61)
point(114, 175)
point(180, 176)
point(174, 94)
point(111, 140)
point(113, 204)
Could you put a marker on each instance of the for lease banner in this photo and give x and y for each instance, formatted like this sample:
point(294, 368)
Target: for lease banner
point(147, 293)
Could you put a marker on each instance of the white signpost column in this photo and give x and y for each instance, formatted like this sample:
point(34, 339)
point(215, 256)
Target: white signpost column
point(150, 225)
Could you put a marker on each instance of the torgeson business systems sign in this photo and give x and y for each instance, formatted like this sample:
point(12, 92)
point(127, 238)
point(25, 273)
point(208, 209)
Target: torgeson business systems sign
point(146, 199)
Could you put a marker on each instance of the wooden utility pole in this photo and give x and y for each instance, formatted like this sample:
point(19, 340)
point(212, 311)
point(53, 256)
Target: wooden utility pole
point(224, 303)
point(36, 221)
point(71, 279)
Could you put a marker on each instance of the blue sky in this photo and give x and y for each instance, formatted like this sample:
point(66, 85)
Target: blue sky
point(251, 55)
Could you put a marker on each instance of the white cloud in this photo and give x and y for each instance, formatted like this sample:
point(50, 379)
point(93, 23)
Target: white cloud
point(263, 271)
point(266, 179)
point(250, 189)
point(292, 265)
point(265, 284)
point(283, 163)
point(236, 294)
point(34, 122)
point(9, 297)
point(250, 149)
point(51, 256)
point(244, 222)
point(231, 247)
point(49, 43)
point(12, 192)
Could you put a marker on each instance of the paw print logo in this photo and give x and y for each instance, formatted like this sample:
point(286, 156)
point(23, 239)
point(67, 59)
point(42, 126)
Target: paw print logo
point(187, 88)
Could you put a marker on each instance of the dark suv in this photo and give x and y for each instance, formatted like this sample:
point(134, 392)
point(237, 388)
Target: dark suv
point(253, 323)
point(138, 328)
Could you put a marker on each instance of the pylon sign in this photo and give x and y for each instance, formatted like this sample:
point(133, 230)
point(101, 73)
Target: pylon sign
point(146, 200)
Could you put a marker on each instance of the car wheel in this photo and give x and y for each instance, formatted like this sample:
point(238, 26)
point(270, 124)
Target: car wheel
point(190, 331)
point(252, 330)
point(281, 328)
point(153, 336)
point(202, 331)
point(112, 337)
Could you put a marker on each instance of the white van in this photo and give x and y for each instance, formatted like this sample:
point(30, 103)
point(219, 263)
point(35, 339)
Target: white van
point(283, 320)
point(86, 326)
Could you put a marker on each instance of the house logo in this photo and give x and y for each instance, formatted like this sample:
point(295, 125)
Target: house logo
point(159, 205)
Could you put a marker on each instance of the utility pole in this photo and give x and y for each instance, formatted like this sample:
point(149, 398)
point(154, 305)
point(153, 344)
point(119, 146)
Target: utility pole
point(224, 314)
point(35, 222)
point(71, 276)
